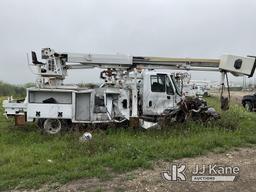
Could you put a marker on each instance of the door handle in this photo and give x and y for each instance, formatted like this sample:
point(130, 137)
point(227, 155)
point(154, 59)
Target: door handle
point(168, 97)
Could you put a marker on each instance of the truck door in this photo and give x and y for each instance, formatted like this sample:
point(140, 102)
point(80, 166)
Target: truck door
point(158, 94)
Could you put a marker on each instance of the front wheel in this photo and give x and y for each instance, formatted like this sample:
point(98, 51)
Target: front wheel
point(248, 106)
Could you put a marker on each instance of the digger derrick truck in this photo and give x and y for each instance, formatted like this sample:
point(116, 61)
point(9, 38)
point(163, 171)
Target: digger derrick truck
point(136, 89)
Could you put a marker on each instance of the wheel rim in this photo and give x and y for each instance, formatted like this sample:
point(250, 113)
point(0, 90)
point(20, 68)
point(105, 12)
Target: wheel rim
point(247, 107)
point(52, 126)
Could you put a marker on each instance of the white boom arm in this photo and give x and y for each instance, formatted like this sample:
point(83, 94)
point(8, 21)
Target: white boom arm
point(57, 64)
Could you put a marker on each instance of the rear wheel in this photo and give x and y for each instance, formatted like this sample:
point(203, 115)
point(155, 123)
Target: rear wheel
point(52, 126)
point(248, 106)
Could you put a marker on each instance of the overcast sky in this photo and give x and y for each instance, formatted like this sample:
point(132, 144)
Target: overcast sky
point(172, 28)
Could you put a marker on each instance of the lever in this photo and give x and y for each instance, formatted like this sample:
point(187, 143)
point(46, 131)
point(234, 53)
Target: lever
point(34, 59)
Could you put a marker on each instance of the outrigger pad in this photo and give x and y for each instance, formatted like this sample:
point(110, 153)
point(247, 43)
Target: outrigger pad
point(224, 103)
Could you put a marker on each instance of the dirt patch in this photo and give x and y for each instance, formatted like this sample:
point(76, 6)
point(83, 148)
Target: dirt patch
point(150, 180)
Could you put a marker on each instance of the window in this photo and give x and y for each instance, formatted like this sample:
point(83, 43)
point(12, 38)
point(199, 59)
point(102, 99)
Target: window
point(157, 83)
point(178, 91)
point(169, 88)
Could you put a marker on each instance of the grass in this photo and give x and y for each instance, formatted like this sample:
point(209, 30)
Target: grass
point(29, 159)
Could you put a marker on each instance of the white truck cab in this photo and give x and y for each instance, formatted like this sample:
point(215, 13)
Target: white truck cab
point(160, 92)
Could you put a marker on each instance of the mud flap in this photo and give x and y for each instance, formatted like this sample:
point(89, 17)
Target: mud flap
point(20, 120)
point(134, 122)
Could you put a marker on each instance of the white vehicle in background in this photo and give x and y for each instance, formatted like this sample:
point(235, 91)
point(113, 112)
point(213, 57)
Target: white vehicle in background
point(134, 90)
point(192, 90)
point(200, 90)
point(188, 90)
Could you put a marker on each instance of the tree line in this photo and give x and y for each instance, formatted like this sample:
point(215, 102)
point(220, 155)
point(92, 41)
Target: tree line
point(7, 89)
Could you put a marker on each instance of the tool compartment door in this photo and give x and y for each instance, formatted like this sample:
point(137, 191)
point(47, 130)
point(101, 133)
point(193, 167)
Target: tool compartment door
point(82, 106)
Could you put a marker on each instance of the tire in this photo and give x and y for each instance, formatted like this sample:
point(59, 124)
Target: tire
point(248, 106)
point(181, 117)
point(45, 125)
point(52, 126)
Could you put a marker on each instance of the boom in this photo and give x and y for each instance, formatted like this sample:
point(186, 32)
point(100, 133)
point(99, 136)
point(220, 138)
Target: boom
point(56, 65)
point(132, 91)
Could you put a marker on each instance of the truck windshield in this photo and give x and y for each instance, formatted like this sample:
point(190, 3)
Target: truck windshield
point(178, 91)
